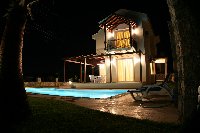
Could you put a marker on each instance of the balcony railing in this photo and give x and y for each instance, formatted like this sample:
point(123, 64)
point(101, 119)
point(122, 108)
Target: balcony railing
point(120, 44)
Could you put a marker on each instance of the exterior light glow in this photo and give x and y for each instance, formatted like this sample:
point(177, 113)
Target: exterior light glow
point(136, 60)
point(161, 60)
point(110, 35)
point(70, 82)
point(135, 31)
point(152, 68)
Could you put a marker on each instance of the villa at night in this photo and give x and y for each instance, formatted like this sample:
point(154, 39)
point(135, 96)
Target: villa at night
point(126, 51)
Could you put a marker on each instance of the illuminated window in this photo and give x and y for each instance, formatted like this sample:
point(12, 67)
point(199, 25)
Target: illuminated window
point(122, 39)
point(152, 68)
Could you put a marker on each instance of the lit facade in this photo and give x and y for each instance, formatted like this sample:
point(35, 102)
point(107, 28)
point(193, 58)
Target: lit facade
point(126, 51)
point(128, 45)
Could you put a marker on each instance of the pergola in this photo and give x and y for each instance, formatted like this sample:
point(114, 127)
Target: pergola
point(91, 60)
point(94, 60)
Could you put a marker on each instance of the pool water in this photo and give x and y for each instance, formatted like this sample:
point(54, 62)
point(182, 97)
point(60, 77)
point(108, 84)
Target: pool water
point(89, 93)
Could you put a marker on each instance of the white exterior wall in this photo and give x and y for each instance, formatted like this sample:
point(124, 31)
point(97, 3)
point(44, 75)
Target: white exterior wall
point(122, 26)
point(136, 72)
point(114, 70)
point(136, 60)
point(99, 37)
point(138, 36)
point(102, 72)
point(143, 68)
point(107, 64)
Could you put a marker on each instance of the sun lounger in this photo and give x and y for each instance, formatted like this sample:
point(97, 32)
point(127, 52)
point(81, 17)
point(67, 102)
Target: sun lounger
point(150, 91)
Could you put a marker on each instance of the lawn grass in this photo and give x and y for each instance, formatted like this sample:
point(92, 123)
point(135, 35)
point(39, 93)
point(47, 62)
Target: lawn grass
point(53, 116)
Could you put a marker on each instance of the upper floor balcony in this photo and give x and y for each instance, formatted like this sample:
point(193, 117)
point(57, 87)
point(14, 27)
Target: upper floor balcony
point(121, 44)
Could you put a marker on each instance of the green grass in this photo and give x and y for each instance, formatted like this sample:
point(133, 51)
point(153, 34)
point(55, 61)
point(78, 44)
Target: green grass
point(53, 116)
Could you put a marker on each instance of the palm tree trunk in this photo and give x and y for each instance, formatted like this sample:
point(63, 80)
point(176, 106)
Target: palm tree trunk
point(185, 25)
point(13, 99)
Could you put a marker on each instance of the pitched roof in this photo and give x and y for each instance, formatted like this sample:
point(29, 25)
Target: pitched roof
point(123, 16)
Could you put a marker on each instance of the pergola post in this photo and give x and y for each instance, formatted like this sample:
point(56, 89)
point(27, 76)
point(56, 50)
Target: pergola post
point(81, 80)
point(110, 69)
point(64, 71)
point(140, 54)
point(92, 70)
point(85, 70)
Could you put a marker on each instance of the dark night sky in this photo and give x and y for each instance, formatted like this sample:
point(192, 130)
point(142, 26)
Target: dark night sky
point(62, 29)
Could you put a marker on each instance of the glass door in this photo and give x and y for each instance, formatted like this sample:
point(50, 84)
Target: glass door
point(125, 69)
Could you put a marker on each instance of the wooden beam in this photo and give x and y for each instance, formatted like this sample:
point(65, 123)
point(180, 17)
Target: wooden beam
point(130, 31)
point(105, 43)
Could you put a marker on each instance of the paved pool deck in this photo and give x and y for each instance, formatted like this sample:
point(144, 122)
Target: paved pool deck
point(89, 85)
point(158, 109)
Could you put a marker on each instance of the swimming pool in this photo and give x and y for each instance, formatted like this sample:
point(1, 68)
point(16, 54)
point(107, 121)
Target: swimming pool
point(89, 93)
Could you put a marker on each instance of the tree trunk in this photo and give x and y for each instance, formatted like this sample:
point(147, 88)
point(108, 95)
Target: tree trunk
point(186, 34)
point(13, 99)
